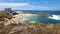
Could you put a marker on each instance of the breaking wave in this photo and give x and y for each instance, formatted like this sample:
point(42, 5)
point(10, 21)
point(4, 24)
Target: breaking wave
point(55, 17)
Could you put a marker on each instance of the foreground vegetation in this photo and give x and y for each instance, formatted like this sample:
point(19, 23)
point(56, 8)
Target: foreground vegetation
point(31, 28)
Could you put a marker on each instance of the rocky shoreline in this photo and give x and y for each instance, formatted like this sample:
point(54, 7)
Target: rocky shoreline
point(12, 27)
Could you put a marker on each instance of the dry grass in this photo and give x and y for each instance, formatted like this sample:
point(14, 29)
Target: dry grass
point(32, 28)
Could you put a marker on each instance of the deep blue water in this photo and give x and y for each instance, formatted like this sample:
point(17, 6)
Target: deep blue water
point(43, 19)
point(42, 11)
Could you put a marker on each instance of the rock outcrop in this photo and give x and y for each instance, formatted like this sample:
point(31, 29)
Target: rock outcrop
point(11, 27)
point(9, 21)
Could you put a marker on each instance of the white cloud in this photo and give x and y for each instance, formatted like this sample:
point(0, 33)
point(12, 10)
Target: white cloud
point(24, 6)
point(13, 4)
point(30, 7)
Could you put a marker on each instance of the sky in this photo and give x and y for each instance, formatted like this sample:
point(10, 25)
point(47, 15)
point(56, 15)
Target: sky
point(30, 4)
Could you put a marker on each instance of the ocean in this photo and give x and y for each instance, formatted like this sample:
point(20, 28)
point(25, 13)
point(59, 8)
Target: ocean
point(53, 20)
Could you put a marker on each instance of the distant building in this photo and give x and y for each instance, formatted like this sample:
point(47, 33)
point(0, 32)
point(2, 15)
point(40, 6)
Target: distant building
point(9, 11)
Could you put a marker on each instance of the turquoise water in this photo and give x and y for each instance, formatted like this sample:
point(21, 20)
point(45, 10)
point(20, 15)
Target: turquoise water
point(44, 19)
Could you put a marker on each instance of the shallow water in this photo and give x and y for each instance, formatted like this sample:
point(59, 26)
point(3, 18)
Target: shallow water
point(55, 19)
